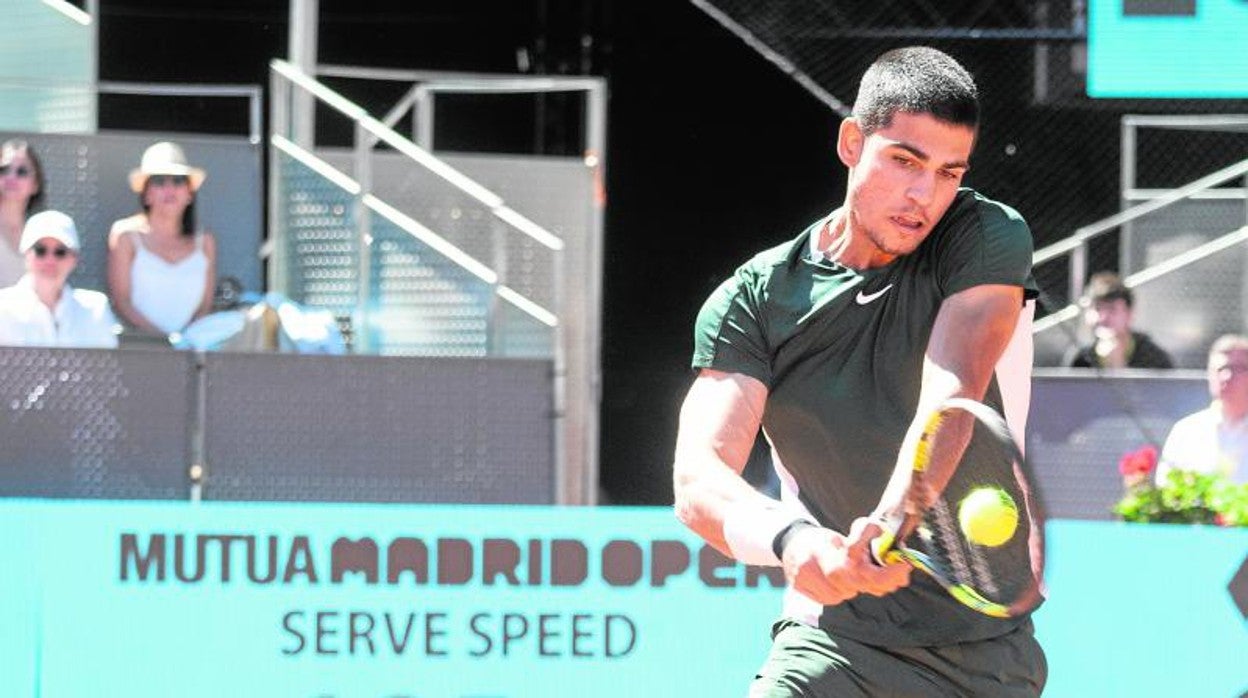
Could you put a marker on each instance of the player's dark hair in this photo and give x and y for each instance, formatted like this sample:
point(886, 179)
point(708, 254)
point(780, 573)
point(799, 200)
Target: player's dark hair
point(1106, 286)
point(916, 80)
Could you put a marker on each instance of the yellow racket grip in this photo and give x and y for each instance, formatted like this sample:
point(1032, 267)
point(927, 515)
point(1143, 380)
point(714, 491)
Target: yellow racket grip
point(882, 548)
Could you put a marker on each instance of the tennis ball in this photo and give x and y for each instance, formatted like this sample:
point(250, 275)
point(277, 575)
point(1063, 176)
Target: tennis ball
point(988, 516)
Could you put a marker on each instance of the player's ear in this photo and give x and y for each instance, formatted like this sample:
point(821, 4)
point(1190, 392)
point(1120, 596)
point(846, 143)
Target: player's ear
point(849, 142)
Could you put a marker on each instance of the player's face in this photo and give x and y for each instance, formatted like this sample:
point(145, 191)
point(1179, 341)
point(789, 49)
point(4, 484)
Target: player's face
point(902, 178)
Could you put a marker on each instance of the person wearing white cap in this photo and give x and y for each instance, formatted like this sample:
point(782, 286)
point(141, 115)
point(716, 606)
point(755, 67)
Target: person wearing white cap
point(41, 309)
point(161, 270)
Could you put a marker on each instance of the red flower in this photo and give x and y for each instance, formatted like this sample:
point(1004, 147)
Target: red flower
point(1136, 465)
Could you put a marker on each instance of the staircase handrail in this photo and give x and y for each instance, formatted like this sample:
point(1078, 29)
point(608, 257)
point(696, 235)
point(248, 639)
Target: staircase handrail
point(1147, 274)
point(1076, 245)
point(493, 202)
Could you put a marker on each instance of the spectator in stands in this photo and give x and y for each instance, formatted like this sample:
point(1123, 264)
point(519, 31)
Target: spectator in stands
point(1215, 439)
point(1107, 311)
point(41, 309)
point(161, 269)
point(21, 193)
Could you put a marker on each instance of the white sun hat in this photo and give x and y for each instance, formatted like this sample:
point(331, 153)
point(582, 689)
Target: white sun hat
point(165, 158)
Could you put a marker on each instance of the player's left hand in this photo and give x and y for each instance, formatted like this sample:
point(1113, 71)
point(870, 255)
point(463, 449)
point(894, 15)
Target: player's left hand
point(831, 568)
point(892, 576)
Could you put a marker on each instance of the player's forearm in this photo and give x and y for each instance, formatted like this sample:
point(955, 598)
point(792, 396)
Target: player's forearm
point(719, 422)
point(708, 491)
point(971, 334)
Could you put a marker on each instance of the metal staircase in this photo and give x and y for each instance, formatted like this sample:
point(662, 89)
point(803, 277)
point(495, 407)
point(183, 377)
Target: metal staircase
point(421, 253)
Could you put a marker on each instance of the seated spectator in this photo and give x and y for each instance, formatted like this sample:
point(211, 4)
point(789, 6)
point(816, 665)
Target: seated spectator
point(1215, 439)
point(1107, 311)
point(21, 192)
point(161, 270)
point(41, 310)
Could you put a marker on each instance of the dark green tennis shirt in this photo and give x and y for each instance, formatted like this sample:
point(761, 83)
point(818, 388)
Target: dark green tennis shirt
point(841, 353)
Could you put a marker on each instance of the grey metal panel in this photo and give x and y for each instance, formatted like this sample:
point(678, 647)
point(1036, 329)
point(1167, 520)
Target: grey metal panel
point(318, 221)
point(556, 193)
point(422, 304)
point(1054, 344)
point(429, 199)
point(1187, 309)
point(425, 304)
point(87, 178)
point(1081, 424)
point(392, 429)
point(94, 423)
point(561, 195)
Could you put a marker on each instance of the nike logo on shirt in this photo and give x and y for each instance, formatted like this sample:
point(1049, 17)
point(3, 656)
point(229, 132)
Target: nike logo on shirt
point(864, 298)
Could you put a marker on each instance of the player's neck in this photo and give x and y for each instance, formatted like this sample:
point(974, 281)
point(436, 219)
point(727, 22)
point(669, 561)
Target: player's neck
point(842, 241)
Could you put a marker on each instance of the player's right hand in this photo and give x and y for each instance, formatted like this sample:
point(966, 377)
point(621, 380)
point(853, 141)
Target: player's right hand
point(830, 568)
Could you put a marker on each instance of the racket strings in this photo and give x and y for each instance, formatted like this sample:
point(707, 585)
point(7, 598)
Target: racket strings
point(1002, 580)
point(980, 571)
point(967, 563)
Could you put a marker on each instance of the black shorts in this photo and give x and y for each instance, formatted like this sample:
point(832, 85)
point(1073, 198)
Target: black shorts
point(809, 662)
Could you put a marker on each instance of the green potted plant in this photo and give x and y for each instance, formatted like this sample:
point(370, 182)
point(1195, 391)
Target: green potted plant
point(1181, 497)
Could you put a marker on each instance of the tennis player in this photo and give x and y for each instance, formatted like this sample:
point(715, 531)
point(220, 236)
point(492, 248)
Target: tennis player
point(836, 344)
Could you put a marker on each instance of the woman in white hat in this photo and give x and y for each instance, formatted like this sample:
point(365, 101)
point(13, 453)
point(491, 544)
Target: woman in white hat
point(161, 270)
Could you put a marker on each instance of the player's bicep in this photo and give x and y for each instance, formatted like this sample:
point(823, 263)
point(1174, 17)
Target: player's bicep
point(969, 336)
point(719, 421)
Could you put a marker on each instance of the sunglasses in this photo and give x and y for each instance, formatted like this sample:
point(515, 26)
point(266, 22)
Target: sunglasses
point(21, 171)
point(41, 250)
point(168, 180)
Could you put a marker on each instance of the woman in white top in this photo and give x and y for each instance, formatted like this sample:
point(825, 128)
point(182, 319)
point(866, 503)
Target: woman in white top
point(21, 193)
point(161, 271)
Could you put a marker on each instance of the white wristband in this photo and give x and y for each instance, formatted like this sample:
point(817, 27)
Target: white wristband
point(750, 531)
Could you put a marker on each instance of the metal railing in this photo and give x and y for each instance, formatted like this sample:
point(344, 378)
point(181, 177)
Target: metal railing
point(1138, 203)
point(419, 99)
point(368, 132)
point(252, 93)
point(1076, 246)
point(1071, 311)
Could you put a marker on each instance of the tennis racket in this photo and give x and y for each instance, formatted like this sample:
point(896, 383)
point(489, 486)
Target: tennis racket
point(1003, 580)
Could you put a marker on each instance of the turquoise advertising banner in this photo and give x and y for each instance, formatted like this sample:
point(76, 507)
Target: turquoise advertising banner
point(1144, 610)
point(380, 601)
point(1168, 48)
point(139, 599)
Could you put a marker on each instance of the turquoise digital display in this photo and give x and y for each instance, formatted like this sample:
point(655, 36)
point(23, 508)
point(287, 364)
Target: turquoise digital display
point(1168, 49)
